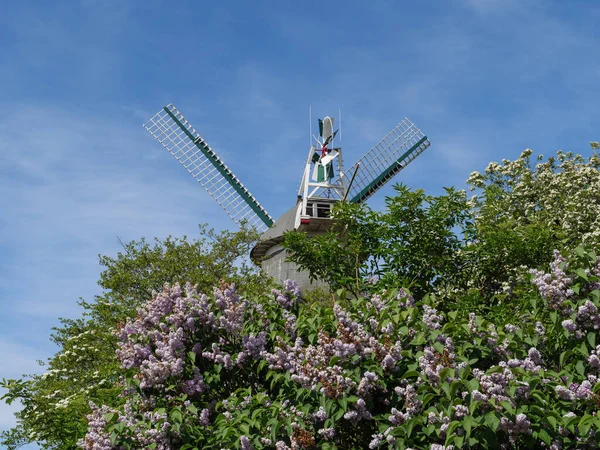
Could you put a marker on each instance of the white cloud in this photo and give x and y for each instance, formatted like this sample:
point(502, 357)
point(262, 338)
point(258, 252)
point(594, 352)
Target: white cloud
point(70, 186)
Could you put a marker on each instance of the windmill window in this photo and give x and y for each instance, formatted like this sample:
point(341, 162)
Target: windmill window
point(318, 209)
point(323, 209)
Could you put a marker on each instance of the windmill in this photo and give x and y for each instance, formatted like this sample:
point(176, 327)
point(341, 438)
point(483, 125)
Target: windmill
point(324, 181)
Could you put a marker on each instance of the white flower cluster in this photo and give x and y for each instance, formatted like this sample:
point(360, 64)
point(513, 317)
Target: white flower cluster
point(563, 192)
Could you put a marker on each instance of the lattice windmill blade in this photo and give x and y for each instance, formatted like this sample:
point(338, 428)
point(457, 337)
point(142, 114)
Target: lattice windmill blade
point(392, 154)
point(181, 140)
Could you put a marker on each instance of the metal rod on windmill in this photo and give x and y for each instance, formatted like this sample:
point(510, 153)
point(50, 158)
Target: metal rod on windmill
point(351, 181)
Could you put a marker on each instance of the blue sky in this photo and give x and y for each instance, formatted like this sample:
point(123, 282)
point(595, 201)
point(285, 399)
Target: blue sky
point(484, 79)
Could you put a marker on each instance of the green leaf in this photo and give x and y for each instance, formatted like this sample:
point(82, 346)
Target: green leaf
point(411, 374)
point(467, 423)
point(508, 406)
point(585, 424)
point(450, 430)
point(544, 436)
point(580, 368)
point(492, 421)
point(419, 339)
point(591, 338)
point(563, 355)
point(582, 274)
point(176, 416)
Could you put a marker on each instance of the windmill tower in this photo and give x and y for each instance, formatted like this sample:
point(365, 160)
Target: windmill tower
point(324, 182)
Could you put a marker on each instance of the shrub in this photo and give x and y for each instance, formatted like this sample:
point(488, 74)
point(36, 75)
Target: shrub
point(222, 371)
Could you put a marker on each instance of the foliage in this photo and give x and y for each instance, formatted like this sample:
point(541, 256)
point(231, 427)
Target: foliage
point(523, 212)
point(462, 328)
point(338, 257)
point(222, 371)
point(562, 193)
point(450, 245)
point(85, 369)
point(412, 244)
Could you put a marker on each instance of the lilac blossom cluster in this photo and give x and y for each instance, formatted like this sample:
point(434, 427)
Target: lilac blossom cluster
point(310, 365)
point(555, 287)
point(156, 340)
point(408, 393)
point(431, 318)
point(361, 354)
point(594, 358)
point(290, 295)
point(521, 425)
point(532, 363)
point(404, 299)
point(98, 437)
point(433, 362)
point(360, 412)
point(379, 439)
point(493, 385)
point(577, 391)
point(441, 418)
point(490, 335)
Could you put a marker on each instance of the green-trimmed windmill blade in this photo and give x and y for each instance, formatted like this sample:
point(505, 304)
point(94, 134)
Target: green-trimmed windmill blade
point(181, 140)
point(380, 164)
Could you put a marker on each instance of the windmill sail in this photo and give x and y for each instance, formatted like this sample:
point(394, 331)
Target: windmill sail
point(393, 153)
point(175, 133)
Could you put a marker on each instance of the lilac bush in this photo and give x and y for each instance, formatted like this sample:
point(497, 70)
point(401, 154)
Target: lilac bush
point(388, 371)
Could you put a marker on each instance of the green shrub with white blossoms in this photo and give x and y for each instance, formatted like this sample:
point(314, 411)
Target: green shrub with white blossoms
point(221, 371)
point(562, 192)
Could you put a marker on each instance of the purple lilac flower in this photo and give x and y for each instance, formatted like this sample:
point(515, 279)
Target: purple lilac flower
point(540, 330)
point(376, 441)
point(245, 443)
point(327, 433)
point(555, 286)
point(97, 437)
point(588, 317)
point(205, 417)
point(522, 424)
point(412, 403)
point(367, 384)
point(431, 318)
point(564, 393)
point(569, 325)
point(398, 417)
point(320, 415)
point(289, 296)
point(359, 412)
point(493, 385)
point(584, 391)
point(594, 359)
point(460, 411)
